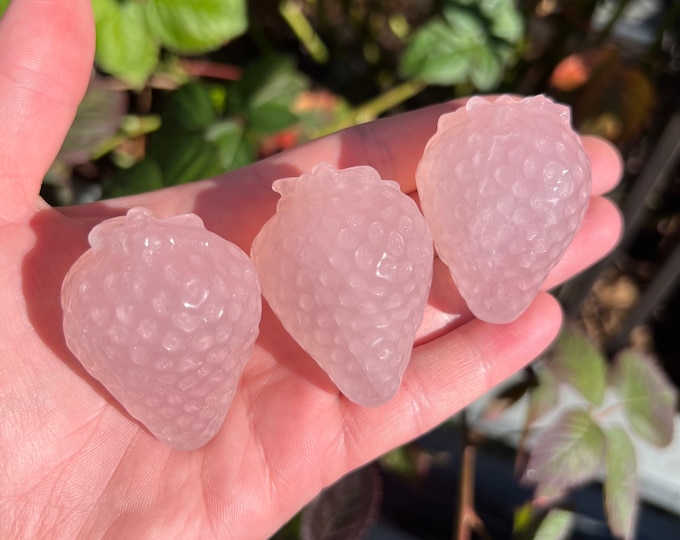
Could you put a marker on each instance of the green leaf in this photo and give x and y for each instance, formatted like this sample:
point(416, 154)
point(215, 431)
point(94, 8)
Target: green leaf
point(142, 177)
point(568, 453)
point(557, 525)
point(576, 361)
point(471, 41)
point(270, 118)
point(506, 21)
point(533, 522)
point(233, 149)
point(268, 87)
point(273, 80)
point(649, 398)
point(620, 483)
point(523, 523)
point(189, 109)
point(196, 26)
point(487, 68)
point(125, 47)
point(344, 510)
point(439, 52)
point(181, 147)
point(184, 158)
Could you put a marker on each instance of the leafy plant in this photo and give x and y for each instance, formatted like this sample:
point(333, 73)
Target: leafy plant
point(344, 510)
point(130, 34)
point(471, 41)
point(208, 128)
point(582, 444)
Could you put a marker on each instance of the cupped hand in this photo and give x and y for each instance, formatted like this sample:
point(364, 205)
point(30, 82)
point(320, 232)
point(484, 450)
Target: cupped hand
point(74, 464)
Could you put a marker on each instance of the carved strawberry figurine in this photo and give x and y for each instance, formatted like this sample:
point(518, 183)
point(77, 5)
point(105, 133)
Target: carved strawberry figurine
point(504, 186)
point(346, 265)
point(164, 314)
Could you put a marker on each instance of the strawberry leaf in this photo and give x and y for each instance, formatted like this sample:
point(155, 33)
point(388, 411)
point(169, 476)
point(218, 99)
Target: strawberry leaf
point(143, 176)
point(125, 48)
point(620, 483)
point(189, 109)
point(470, 41)
point(344, 510)
point(196, 26)
point(649, 399)
point(576, 361)
point(534, 523)
point(557, 525)
point(233, 148)
point(266, 93)
point(567, 454)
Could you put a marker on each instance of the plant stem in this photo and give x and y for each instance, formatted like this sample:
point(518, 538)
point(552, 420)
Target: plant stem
point(466, 518)
point(304, 31)
point(385, 101)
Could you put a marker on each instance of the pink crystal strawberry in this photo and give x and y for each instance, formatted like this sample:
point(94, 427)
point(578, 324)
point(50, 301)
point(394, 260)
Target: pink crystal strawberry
point(164, 314)
point(346, 265)
point(504, 186)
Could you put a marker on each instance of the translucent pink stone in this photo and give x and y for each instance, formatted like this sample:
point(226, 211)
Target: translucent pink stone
point(346, 264)
point(504, 187)
point(164, 314)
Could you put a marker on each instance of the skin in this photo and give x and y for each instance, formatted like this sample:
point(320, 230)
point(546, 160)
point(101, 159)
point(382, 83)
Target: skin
point(74, 464)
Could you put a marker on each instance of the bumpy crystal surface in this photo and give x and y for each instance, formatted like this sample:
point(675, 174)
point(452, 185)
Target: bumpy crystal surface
point(346, 265)
point(504, 186)
point(164, 314)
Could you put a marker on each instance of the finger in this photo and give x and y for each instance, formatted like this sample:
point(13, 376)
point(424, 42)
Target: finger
point(445, 309)
point(46, 51)
point(598, 236)
point(606, 164)
point(449, 373)
point(600, 233)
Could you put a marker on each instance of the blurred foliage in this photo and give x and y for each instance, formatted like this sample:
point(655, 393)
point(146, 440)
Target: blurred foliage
point(208, 128)
point(130, 34)
point(187, 90)
point(555, 524)
point(336, 63)
point(581, 444)
point(470, 41)
point(344, 510)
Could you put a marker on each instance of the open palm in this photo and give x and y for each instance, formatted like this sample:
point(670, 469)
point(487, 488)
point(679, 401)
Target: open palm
point(74, 464)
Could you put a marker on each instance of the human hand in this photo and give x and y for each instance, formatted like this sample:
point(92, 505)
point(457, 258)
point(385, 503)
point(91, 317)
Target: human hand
point(75, 464)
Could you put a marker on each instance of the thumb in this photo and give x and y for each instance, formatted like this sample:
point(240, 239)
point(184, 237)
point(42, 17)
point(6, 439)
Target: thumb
point(46, 54)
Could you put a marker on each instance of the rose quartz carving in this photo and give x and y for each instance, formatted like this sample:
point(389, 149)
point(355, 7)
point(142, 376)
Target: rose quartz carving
point(504, 187)
point(164, 314)
point(346, 264)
